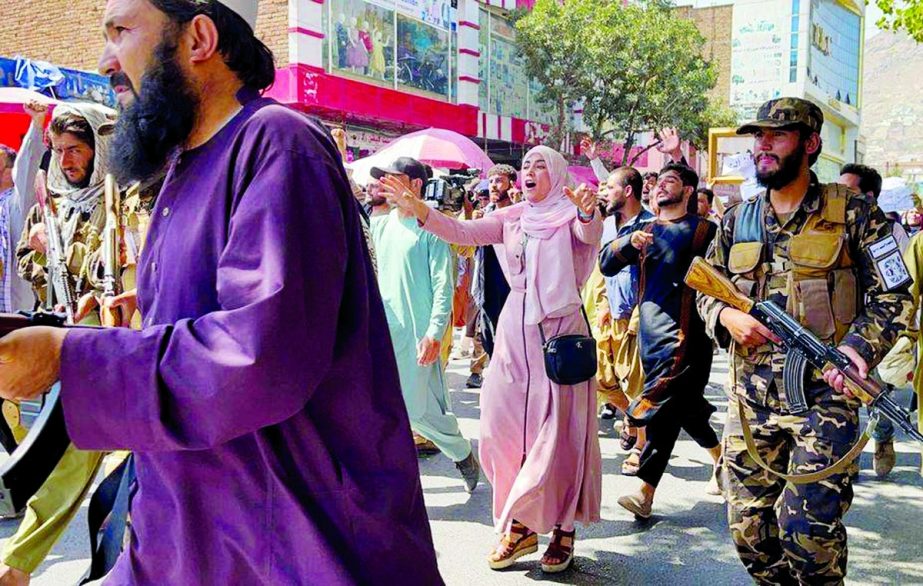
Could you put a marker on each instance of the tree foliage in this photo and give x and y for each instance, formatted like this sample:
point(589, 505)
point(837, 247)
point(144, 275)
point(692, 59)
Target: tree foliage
point(635, 68)
point(550, 42)
point(904, 15)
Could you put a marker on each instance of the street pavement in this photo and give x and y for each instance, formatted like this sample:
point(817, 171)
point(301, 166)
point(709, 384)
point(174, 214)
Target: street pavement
point(686, 542)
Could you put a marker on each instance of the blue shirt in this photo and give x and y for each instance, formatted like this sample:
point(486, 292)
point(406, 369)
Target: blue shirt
point(622, 289)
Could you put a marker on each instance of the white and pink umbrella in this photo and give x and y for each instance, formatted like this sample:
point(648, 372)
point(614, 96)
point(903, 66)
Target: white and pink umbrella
point(438, 148)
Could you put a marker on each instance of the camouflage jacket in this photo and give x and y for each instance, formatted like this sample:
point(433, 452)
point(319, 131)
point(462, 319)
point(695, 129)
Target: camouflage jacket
point(878, 315)
point(32, 264)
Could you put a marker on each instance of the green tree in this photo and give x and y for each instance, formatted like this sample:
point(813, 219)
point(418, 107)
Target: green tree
point(651, 75)
point(902, 15)
point(634, 68)
point(550, 41)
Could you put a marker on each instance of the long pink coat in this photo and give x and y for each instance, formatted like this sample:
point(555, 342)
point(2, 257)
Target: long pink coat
point(539, 447)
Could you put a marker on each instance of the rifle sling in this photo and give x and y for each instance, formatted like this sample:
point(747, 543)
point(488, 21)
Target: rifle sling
point(816, 476)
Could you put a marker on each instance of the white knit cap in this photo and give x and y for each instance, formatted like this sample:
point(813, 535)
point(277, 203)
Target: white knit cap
point(245, 8)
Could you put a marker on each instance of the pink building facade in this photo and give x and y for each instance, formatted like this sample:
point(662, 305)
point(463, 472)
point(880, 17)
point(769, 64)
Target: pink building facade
point(386, 67)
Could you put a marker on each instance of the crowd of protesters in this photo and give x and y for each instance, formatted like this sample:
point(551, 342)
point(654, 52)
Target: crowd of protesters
point(279, 334)
point(608, 262)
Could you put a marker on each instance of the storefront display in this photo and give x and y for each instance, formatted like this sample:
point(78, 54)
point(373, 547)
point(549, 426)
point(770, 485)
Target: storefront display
point(422, 56)
point(394, 42)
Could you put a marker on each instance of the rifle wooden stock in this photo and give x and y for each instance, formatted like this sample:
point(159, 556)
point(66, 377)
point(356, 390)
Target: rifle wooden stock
point(706, 280)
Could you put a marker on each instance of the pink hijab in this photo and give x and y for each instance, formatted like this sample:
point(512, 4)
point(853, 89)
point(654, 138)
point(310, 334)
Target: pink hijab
point(541, 220)
point(552, 281)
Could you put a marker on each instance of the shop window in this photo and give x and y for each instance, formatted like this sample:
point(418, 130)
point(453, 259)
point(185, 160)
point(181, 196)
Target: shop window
point(362, 40)
point(422, 56)
point(509, 86)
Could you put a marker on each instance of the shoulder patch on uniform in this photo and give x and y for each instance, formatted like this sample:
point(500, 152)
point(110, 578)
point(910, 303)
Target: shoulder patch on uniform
point(886, 256)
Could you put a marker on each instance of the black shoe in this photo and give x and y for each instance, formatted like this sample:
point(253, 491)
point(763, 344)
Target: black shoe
point(470, 471)
point(608, 411)
point(474, 381)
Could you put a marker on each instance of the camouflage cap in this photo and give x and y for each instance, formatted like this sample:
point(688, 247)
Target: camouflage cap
point(783, 112)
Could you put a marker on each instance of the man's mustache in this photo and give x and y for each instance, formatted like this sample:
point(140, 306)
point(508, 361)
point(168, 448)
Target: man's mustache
point(120, 78)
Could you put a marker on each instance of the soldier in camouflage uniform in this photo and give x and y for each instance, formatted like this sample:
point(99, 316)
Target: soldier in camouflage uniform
point(824, 253)
point(80, 137)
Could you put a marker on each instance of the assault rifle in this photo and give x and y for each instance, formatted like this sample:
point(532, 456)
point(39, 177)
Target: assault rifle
point(802, 346)
point(111, 250)
point(58, 280)
point(30, 464)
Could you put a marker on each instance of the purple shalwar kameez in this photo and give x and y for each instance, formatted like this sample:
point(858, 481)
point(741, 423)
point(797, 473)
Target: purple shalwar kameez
point(261, 398)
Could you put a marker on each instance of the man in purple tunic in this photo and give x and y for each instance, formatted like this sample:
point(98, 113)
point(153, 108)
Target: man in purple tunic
point(261, 398)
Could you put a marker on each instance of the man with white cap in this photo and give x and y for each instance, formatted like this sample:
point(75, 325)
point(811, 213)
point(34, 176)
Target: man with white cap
point(261, 398)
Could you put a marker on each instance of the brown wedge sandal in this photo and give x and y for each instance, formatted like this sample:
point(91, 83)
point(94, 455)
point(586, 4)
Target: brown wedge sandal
point(560, 553)
point(518, 542)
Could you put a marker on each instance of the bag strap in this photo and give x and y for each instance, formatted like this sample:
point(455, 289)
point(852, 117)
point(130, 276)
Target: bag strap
point(816, 476)
point(541, 330)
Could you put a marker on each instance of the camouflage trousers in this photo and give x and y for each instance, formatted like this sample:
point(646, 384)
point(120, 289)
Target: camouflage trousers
point(787, 533)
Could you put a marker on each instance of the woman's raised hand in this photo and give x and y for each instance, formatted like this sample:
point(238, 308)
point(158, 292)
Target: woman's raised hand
point(583, 197)
point(400, 196)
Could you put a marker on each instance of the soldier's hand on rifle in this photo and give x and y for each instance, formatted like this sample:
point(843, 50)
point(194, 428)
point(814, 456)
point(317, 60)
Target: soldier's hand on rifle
point(641, 239)
point(30, 362)
point(837, 380)
point(125, 305)
point(745, 329)
point(38, 238)
point(85, 305)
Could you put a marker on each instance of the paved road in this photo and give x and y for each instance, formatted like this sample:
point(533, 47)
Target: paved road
point(686, 542)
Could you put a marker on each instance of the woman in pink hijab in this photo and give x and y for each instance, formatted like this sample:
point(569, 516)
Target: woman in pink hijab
point(539, 447)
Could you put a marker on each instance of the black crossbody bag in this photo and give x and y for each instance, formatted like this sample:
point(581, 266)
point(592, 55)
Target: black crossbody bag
point(570, 359)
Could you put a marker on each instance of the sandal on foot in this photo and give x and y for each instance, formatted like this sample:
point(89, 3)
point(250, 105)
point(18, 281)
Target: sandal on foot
point(560, 553)
point(636, 505)
point(632, 463)
point(518, 542)
point(626, 440)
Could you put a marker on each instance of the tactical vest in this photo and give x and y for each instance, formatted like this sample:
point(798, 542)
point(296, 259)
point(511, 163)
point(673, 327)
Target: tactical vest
point(819, 276)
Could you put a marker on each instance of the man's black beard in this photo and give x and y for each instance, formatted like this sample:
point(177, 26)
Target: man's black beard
point(376, 200)
point(674, 200)
point(788, 171)
point(87, 177)
point(614, 207)
point(159, 120)
point(503, 196)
